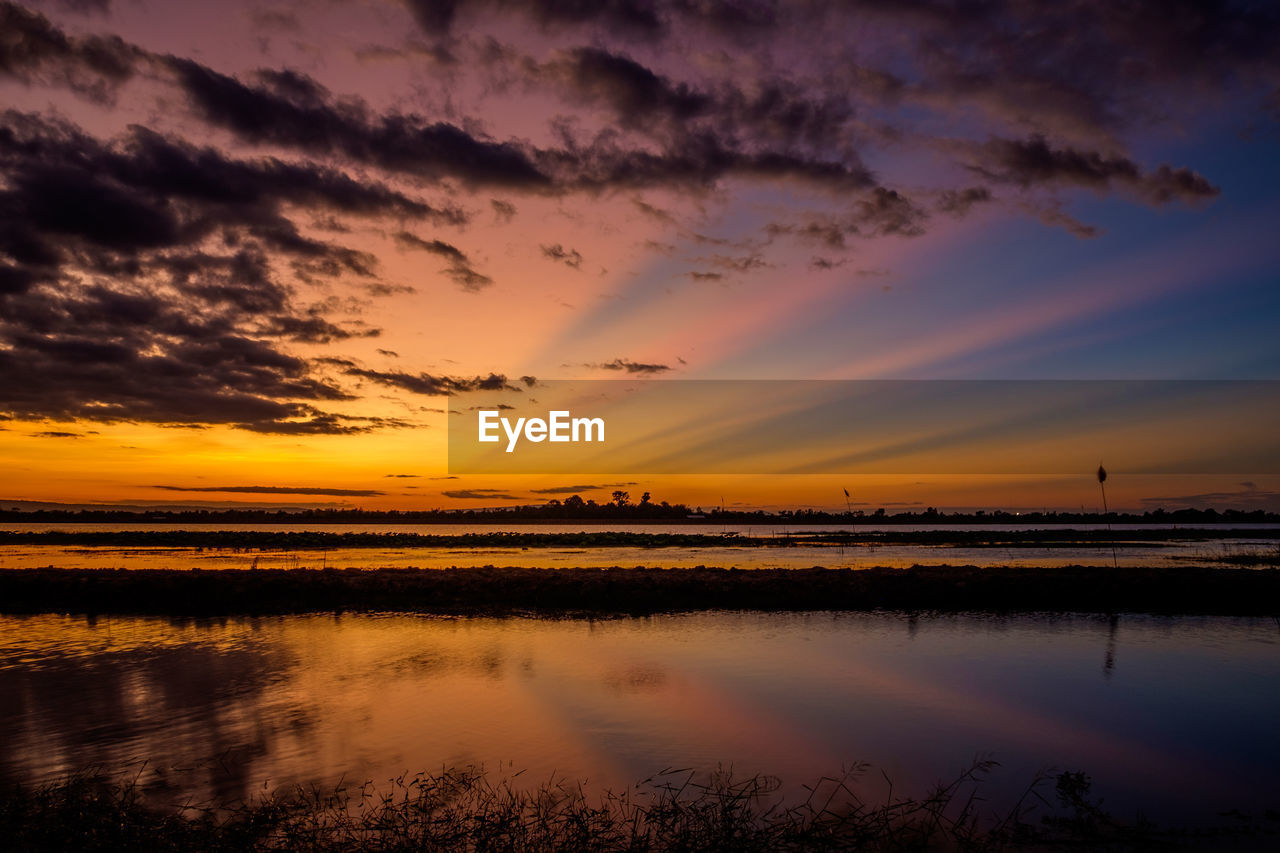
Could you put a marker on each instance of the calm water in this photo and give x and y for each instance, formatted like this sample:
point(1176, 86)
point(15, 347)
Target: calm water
point(1173, 716)
point(1131, 553)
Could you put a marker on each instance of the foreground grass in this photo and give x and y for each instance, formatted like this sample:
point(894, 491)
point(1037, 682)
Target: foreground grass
point(463, 810)
point(639, 591)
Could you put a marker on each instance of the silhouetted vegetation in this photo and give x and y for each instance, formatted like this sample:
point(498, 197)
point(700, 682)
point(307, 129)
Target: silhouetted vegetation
point(464, 810)
point(1248, 557)
point(589, 511)
point(619, 591)
point(301, 540)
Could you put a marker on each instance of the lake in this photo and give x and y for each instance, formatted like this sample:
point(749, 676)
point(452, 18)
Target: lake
point(1173, 716)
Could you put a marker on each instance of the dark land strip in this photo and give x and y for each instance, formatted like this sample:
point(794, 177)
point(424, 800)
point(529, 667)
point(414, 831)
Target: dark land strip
point(294, 540)
point(618, 591)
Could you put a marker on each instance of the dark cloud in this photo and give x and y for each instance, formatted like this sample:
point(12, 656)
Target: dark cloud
point(146, 191)
point(425, 383)
point(480, 495)
point(314, 329)
point(403, 476)
point(568, 257)
point(288, 109)
point(883, 212)
point(775, 112)
point(635, 17)
point(291, 109)
point(1250, 497)
point(382, 288)
point(1033, 161)
point(144, 278)
point(1052, 214)
point(960, 202)
point(1007, 58)
point(459, 268)
point(467, 278)
point(586, 487)
point(626, 365)
point(700, 161)
point(275, 490)
point(1081, 70)
point(879, 213)
point(323, 423)
point(33, 50)
point(653, 212)
point(636, 94)
point(334, 361)
point(503, 211)
point(435, 247)
point(78, 360)
point(744, 263)
point(58, 434)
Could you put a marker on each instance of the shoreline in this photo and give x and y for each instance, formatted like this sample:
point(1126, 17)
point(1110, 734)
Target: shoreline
point(312, 540)
point(639, 591)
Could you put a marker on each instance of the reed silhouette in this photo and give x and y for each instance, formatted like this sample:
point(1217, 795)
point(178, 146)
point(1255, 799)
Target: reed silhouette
point(1106, 513)
point(465, 810)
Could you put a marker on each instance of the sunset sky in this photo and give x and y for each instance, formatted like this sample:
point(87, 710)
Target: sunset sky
point(254, 251)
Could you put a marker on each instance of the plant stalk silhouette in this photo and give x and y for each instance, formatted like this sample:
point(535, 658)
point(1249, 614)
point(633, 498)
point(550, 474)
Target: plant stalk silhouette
point(1102, 484)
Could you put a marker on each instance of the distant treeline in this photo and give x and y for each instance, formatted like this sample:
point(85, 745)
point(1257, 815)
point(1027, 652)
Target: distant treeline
point(633, 513)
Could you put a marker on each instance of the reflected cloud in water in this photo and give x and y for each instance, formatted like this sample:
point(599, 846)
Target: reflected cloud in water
point(221, 708)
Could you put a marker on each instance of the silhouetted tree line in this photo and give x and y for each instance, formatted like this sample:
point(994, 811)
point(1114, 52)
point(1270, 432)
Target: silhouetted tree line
point(623, 508)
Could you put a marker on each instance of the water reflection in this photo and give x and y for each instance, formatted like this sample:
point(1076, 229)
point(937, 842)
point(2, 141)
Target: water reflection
point(1147, 554)
point(1109, 659)
point(221, 708)
point(125, 695)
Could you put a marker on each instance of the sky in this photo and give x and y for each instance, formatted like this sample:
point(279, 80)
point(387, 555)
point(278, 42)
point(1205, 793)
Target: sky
point(256, 251)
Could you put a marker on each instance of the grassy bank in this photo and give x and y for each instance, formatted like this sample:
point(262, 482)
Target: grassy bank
point(497, 590)
point(464, 810)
